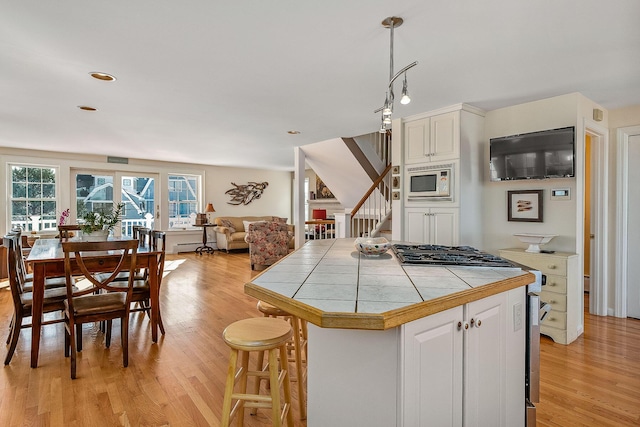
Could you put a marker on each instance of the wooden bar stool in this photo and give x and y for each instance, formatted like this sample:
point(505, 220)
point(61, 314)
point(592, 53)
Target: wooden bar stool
point(298, 346)
point(258, 334)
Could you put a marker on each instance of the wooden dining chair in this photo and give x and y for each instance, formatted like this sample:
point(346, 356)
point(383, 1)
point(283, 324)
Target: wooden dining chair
point(65, 232)
point(141, 287)
point(27, 278)
point(101, 300)
point(23, 300)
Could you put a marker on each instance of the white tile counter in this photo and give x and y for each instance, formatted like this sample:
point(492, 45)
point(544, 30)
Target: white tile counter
point(330, 284)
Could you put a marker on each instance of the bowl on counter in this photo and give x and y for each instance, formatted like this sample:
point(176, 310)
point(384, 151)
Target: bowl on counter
point(372, 245)
point(534, 240)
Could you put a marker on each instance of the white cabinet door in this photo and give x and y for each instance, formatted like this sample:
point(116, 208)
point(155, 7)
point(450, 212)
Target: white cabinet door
point(485, 347)
point(444, 226)
point(435, 226)
point(444, 137)
point(432, 370)
point(432, 139)
point(416, 134)
point(416, 226)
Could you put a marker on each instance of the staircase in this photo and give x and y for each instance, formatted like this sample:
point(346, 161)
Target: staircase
point(358, 172)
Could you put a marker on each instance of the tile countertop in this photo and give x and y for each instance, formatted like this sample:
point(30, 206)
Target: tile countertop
point(330, 284)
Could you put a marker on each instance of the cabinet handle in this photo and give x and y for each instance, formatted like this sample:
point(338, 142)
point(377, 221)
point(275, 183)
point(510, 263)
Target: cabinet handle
point(552, 267)
point(476, 322)
point(462, 325)
point(552, 284)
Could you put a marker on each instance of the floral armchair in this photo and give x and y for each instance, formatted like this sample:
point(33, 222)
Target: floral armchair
point(268, 242)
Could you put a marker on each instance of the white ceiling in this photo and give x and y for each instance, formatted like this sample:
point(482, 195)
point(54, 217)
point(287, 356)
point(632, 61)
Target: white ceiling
point(221, 82)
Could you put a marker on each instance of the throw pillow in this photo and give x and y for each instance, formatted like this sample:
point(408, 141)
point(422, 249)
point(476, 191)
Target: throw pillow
point(278, 219)
point(227, 223)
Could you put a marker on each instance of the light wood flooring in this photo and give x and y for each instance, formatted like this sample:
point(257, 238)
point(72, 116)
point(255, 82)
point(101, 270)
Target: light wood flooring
point(180, 380)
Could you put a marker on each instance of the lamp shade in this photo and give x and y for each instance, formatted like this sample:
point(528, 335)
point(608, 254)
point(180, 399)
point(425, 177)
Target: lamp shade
point(209, 208)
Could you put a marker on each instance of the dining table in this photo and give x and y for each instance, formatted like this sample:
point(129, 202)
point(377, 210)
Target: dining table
point(47, 260)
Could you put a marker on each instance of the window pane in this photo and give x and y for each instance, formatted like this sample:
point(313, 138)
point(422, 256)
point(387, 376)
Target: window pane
point(48, 191)
point(19, 174)
point(34, 191)
point(139, 204)
point(34, 174)
point(19, 210)
point(35, 208)
point(19, 190)
point(49, 176)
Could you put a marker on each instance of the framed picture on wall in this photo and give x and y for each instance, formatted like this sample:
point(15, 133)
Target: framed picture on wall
point(322, 191)
point(524, 205)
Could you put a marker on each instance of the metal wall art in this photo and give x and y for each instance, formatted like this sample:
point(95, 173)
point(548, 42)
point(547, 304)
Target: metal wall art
point(246, 193)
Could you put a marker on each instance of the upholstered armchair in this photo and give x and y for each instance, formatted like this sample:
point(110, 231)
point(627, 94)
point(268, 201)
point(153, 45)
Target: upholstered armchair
point(268, 242)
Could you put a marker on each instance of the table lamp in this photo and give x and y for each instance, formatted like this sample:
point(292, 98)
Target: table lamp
point(208, 209)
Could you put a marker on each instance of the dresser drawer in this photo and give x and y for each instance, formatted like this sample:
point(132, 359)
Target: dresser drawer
point(555, 319)
point(557, 301)
point(547, 264)
point(556, 284)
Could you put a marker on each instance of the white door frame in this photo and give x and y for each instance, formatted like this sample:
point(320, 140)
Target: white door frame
point(622, 205)
point(598, 290)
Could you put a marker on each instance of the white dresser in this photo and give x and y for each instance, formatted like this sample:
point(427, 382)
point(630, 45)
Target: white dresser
point(563, 291)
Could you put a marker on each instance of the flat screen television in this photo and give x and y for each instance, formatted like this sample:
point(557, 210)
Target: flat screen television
point(535, 155)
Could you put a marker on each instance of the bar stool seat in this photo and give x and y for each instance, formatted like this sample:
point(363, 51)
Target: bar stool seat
point(258, 334)
point(298, 345)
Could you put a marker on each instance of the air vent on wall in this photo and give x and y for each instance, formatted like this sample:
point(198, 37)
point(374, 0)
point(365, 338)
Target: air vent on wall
point(121, 160)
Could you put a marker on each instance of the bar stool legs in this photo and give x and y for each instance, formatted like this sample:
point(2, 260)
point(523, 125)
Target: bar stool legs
point(258, 334)
point(299, 347)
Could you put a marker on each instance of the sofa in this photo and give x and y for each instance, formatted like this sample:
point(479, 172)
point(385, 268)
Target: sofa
point(231, 231)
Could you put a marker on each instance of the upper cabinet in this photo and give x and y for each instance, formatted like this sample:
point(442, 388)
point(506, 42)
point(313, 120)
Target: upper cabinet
point(432, 139)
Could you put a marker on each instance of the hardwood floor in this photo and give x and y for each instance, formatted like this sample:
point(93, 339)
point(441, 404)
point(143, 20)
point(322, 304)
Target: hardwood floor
point(180, 380)
point(594, 381)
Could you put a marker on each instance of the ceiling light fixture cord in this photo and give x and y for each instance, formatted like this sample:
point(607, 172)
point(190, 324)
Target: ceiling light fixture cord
point(387, 108)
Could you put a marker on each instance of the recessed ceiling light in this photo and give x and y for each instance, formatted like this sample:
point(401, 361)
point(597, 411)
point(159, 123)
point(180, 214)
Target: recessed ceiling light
point(87, 108)
point(102, 76)
point(293, 132)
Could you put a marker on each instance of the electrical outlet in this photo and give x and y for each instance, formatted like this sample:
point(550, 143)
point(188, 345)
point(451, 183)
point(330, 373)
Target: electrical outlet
point(517, 317)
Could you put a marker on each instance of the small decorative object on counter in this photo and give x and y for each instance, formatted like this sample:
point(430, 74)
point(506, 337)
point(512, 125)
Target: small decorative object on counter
point(372, 245)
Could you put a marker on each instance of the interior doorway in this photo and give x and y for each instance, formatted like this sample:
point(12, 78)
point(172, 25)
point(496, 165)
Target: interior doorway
point(633, 228)
point(593, 219)
point(588, 235)
point(627, 302)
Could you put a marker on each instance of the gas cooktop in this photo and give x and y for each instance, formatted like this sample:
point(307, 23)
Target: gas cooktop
point(447, 255)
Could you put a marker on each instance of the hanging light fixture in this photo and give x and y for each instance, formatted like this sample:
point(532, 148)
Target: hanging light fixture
point(387, 109)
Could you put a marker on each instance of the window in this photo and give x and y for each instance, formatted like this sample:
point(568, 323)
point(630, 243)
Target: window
point(183, 200)
point(33, 197)
point(101, 192)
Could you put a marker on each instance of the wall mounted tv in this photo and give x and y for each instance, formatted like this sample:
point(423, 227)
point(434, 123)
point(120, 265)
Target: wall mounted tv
point(536, 155)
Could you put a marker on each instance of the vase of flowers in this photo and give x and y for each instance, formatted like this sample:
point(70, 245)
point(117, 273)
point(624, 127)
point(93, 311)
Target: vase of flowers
point(97, 225)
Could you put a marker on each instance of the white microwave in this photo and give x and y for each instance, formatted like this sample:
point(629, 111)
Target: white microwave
point(430, 181)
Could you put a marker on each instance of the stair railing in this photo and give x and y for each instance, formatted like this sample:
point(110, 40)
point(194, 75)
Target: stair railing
point(370, 213)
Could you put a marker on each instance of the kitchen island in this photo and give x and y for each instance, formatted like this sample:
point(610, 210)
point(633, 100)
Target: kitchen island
point(397, 344)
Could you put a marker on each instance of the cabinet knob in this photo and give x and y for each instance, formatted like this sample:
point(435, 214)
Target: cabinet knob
point(463, 325)
point(552, 267)
point(476, 322)
point(552, 284)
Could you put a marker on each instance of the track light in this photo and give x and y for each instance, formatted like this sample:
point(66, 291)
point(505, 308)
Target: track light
point(387, 109)
point(405, 93)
